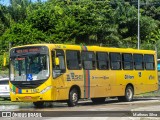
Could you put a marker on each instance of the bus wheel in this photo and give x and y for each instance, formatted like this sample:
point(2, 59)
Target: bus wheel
point(98, 100)
point(38, 104)
point(73, 98)
point(128, 95)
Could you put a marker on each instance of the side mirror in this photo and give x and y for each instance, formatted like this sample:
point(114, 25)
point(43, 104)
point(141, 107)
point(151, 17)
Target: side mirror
point(57, 61)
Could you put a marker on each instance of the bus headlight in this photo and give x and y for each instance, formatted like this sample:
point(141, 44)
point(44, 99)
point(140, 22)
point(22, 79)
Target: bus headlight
point(46, 89)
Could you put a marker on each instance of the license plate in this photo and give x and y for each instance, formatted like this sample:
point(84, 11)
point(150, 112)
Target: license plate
point(28, 97)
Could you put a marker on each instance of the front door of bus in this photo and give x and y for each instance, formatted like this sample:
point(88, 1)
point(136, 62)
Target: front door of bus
point(58, 63)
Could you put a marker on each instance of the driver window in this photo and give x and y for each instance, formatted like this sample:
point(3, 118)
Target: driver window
point(58, 69)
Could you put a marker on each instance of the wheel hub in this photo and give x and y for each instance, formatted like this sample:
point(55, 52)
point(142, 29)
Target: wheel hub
point(129, 93)
point(74, 97)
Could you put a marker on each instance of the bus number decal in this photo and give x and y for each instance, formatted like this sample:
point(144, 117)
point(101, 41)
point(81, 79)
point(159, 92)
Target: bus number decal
point(129, 77)
point(140, 74)
point(73, 76)
point(57, 46)
point(60, 46)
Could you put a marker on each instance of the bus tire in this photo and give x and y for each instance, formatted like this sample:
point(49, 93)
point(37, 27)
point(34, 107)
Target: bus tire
point(73, 97)
point(39, 104)
point(98, 100)
point(128, 95)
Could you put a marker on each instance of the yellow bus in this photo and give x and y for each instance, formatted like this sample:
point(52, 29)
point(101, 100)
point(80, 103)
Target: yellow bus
point(42, 73)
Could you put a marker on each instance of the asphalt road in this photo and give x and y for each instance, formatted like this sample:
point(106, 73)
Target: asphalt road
point(137, 109)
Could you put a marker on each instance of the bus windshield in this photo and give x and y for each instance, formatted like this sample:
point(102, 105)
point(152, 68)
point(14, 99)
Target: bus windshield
point(29, 67)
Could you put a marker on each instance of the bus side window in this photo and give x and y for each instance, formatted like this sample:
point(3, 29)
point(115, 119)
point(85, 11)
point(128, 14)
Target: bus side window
point(138, 61)
point(88, 60)
point(73, 60)
point(115, 59)
point(127, 61)
point(102, 61)
point(149, 62)
point(60, 55)
point(58, 69)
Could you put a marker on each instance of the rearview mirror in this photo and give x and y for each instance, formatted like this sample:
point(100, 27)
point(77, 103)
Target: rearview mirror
point(57, 61)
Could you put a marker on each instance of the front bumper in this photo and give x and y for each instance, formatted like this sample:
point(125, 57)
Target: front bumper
point(31, 97)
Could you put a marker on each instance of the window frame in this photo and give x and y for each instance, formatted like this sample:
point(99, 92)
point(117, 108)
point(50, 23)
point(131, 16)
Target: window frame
point(131, 61)
point(142, 62)
point(93, 61)
point(153, 62)
point(106, 61)
point(79, 59)
point(120, 61)
point(61, 71)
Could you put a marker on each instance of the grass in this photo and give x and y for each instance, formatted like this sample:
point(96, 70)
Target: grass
point(150, 94)
point(8, 102)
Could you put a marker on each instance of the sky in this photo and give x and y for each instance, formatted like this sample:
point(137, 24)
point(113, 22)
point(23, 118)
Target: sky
point(6, 2)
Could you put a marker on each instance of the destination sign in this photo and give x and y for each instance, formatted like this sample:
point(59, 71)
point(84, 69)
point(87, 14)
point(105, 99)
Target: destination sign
point(27, 50)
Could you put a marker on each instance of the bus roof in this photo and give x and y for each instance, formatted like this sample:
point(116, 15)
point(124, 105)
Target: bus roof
point(90, 48)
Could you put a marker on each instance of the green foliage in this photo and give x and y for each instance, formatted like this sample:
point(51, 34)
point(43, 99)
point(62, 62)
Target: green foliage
point(21, 34)
point(126, 20)
point(4, 19)
point(18, 9)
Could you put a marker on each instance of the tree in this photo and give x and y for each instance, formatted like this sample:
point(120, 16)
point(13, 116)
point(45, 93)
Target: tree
point(21, 34)
point(4, 19)
point(17, 9)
